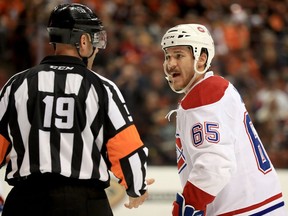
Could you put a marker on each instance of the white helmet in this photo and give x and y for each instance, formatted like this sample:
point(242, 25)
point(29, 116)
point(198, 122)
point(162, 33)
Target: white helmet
point(194, 35)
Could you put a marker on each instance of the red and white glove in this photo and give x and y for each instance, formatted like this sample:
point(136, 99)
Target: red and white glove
point(180, 209)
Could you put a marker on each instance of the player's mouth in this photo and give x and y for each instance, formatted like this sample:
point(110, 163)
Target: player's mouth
point(175, 75)
point(172, 76)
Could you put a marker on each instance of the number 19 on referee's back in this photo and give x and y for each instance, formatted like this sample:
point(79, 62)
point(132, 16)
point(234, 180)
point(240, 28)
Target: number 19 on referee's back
point(64, 112)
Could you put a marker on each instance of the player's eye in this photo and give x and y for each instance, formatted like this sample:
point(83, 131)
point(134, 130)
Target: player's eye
point(167, 57)
point(179, 56)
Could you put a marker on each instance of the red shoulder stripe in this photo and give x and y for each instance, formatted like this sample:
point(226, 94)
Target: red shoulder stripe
point(207, 92)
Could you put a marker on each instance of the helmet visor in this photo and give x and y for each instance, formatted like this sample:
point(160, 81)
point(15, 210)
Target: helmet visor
point(99, 39)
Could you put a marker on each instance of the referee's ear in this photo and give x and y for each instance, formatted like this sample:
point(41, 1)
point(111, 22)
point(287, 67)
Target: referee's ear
point(85, 45)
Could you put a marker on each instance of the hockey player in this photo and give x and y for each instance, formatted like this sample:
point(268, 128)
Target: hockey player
point(223, 166)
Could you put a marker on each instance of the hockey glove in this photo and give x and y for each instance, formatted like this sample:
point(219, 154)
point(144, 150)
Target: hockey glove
point(180, 209)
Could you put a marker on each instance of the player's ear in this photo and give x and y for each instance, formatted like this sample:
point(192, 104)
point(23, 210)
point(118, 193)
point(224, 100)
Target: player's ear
point(202, 60)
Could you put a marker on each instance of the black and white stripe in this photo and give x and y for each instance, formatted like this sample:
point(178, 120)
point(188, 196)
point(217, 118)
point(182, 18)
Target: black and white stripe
point(55, 124)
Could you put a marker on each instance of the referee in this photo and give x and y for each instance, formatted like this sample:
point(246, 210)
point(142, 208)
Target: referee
point(64, 127)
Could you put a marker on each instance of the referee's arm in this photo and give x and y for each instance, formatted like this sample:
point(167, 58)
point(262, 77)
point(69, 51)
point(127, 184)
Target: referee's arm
point(128, 157)
point(4, 140)
point(126, 151)
point(4, 145)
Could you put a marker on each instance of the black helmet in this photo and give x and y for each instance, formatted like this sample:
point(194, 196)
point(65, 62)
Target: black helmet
point(68, 22)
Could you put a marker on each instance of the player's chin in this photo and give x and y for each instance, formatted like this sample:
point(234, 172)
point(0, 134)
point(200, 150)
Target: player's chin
point(177, 87)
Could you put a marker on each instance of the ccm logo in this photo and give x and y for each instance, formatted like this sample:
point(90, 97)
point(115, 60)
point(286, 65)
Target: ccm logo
point(61, 67)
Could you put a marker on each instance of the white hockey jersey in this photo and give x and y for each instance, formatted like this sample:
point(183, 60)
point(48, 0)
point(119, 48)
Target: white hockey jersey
point(222, 163)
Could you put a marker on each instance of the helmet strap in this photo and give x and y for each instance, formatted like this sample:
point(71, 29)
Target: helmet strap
point(197, 73)
point(191, 82)
point(187, 87)
point(84, 59)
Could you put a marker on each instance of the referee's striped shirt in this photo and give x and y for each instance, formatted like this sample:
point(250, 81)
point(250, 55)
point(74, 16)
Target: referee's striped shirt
point(60, 117)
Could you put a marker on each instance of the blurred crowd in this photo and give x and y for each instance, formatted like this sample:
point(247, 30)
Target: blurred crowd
point(251, 39)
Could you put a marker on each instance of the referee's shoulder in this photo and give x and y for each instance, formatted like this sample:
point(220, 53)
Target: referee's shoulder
point(17, 76)
point(104, 80)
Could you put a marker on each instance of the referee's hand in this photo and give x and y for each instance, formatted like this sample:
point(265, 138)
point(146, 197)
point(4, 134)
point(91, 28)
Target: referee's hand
point(135, 202)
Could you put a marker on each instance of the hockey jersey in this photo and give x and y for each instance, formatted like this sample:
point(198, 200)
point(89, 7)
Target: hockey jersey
point(223, 166)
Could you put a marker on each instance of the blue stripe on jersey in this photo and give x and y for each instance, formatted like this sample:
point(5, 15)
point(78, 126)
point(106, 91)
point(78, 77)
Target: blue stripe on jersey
point(270, 209)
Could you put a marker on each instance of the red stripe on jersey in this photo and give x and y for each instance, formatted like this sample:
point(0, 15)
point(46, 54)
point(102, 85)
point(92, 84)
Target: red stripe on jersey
point(250, 208)
point(196, 197)
point(178, 143)
point(207, 92)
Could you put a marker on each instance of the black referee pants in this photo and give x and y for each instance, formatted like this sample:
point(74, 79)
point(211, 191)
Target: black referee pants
point(41, 198)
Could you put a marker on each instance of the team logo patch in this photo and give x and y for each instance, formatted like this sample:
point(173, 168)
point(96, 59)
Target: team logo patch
point(200, 29)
